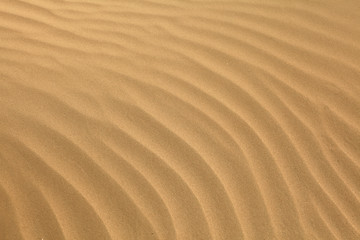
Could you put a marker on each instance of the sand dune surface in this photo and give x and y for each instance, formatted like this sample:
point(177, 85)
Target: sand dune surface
point(187, 120)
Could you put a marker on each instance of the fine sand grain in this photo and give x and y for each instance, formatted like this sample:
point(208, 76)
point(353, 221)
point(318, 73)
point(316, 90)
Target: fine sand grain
point(179, 119)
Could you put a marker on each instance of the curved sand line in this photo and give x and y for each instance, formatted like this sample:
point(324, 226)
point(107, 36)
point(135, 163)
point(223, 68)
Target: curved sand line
point(179, 120)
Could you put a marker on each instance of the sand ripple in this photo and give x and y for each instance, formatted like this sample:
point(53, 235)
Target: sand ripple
point(180, 120)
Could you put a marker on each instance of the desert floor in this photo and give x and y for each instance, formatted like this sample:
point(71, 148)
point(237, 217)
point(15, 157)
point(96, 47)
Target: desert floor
point(179, 119)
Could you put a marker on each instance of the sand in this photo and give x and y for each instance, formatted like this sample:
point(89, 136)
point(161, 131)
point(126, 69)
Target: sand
point(186, 119)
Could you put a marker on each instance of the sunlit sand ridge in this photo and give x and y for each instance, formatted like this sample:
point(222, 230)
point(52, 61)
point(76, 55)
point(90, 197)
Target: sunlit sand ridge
point(188, 120)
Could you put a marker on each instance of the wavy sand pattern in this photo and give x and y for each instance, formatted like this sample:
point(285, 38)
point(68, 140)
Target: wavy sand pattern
point(188, 120)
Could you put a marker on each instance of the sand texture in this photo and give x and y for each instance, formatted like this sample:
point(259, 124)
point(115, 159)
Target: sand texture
point(179, 119)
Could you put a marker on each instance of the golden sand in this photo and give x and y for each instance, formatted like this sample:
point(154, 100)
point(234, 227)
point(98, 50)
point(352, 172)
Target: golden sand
point(186, 119)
